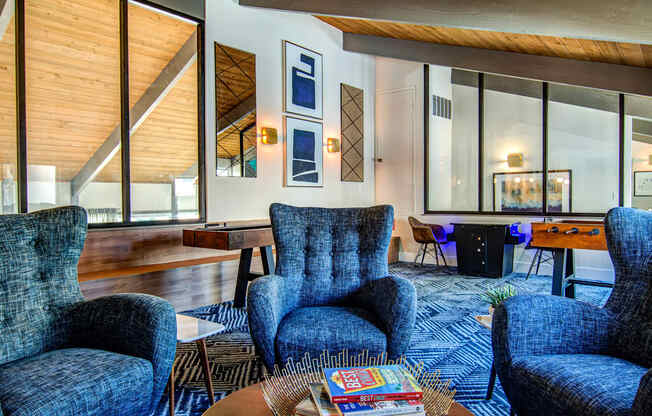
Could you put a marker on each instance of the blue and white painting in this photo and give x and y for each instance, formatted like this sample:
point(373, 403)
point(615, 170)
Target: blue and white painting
point(303, 152)
point(303, 81)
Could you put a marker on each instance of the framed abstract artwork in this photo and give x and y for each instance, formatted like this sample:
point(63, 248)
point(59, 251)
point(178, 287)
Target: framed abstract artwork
point(643, 183)
point(352, 133)
point(523, 191)
point(304, 158)
point(302, 81)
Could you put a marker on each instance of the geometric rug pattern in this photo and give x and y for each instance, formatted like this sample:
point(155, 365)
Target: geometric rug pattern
point(446, 338)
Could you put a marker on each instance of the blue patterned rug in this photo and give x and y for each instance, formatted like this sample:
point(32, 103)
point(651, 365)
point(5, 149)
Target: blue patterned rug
point(446, 338)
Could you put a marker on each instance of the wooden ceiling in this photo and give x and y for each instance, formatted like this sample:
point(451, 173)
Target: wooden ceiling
point(228, 142)
point(582, 49)
point(73, 89)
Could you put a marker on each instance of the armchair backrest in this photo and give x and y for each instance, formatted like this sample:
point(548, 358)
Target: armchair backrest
point(629, 240)
point(331, 252)
point(38, 279)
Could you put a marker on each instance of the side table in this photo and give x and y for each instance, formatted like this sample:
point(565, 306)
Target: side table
point(486, 320)
point(191, 329)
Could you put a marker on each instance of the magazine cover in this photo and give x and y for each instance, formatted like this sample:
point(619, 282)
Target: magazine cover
point(397, 407)
point(370, 384)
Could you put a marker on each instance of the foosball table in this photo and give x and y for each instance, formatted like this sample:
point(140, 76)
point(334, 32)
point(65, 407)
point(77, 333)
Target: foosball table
point(562, 238)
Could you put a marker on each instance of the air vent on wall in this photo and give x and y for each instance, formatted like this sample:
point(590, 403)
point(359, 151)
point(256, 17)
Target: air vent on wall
point(442, 107)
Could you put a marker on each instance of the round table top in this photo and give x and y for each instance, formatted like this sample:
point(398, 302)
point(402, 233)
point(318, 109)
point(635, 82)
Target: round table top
point(249, 401)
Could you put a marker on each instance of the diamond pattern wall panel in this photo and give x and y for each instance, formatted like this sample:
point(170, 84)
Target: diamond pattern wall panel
point(352, 114)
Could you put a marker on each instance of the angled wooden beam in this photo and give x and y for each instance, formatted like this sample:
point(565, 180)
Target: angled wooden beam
point(7, 8)
point(617, 21)
point(621, 78)
point(167, 79)
point(237, 113)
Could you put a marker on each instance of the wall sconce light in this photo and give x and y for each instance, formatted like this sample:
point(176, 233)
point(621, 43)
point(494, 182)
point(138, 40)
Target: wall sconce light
point(333, 145)
point(269, 135)
point(515, 160)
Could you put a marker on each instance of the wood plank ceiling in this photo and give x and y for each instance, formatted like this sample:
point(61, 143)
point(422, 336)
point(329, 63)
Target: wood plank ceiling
point(582, 49)
point(73, 89)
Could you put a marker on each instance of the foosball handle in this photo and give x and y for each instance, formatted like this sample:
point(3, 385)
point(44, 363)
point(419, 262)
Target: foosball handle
point(553, 230)
point(594, 231)
point(573, 230)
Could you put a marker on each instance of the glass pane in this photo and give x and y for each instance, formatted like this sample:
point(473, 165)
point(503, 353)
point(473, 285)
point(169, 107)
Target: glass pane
point(638, 144)
point(163, 96)
point(8, 172)
point(453, 140)
point(73, 106)
point(235, 95)
point(513, 141)
point(583, 142)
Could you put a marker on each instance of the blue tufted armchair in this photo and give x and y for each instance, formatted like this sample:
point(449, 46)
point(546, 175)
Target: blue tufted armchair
point(559, 356)
point(331, 289)
point(61, 355)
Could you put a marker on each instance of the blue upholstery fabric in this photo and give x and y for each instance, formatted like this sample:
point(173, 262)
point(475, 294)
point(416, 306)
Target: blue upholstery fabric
point(76, 381)
point(42, 312)
point(558, 356)
point(331, 259)
point(298, 334)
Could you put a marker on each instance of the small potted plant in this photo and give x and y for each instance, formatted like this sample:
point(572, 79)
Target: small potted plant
point(497, 296)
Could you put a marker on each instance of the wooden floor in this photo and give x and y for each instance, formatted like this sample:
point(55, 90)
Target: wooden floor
point(185, 288)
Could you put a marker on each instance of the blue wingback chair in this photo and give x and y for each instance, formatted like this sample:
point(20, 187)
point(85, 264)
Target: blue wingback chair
point(559, 356)
point(331, 289)
point(61, 355)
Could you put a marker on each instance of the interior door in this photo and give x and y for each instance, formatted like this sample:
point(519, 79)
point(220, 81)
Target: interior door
point(394, 150)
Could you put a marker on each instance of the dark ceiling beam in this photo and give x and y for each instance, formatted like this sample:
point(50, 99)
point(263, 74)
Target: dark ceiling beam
point(237, 113)
point(621, 78)
point(620, 21)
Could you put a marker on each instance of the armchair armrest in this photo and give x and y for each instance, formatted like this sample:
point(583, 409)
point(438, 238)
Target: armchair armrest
point(394, 301)
point(541, 324)
point(643, 399)
point(137, 325)
point(269, 299)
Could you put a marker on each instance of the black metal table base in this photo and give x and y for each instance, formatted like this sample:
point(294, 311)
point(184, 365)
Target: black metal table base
point(244, 272)
point(563, 274)
point(492, 382)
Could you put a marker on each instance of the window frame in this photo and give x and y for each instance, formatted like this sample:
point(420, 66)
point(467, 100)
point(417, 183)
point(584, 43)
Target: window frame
point(545, 170)
point(21, 115)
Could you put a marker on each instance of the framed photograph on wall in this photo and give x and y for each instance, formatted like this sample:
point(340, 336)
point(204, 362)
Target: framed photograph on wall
point(302, 81)
point(643, 183)
point(523, 191)
point(304, 157)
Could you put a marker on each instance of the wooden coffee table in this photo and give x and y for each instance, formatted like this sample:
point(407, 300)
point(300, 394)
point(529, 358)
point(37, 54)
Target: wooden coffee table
point(250, 402)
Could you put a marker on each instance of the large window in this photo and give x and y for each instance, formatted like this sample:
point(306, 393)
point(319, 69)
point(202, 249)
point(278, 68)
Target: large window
point(8, 153)
point(638, 137)
point(87, 77)
point(547, 149)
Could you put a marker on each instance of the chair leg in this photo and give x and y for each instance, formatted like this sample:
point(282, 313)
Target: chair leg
point(539, 262)
point(534, 259)
point(416, 258)
point(423, 257)
point(434, 248)
point(442, 255)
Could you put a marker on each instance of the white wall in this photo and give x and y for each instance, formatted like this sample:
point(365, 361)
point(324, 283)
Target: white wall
point(260, 32)
point(394, 74)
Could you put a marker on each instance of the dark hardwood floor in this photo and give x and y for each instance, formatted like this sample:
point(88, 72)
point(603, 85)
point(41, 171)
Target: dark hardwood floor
point(185, 288)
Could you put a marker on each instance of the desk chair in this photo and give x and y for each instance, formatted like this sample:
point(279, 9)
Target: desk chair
point(427, 234)
point(538, 258)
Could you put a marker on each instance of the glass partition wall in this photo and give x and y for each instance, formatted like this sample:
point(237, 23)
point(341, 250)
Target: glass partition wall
point(100, 108)
point(547, 149)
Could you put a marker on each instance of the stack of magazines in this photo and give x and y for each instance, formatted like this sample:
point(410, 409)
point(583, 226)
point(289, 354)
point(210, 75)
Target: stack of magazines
point(364, 391)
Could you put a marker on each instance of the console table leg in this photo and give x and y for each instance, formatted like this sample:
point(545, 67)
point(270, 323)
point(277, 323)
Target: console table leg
point(268, 259)
point(203, 355)
point(243, 277)
point(492, 382)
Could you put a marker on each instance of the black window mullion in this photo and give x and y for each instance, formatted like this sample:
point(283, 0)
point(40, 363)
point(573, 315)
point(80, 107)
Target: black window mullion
point(544, 146)
point(621, 150)
point(201, 159)
point(125, 122)
point(21, 106)
point(480, 141)
point(426, 134)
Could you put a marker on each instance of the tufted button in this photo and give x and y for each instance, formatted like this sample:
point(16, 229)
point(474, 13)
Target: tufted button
point(46, 308)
